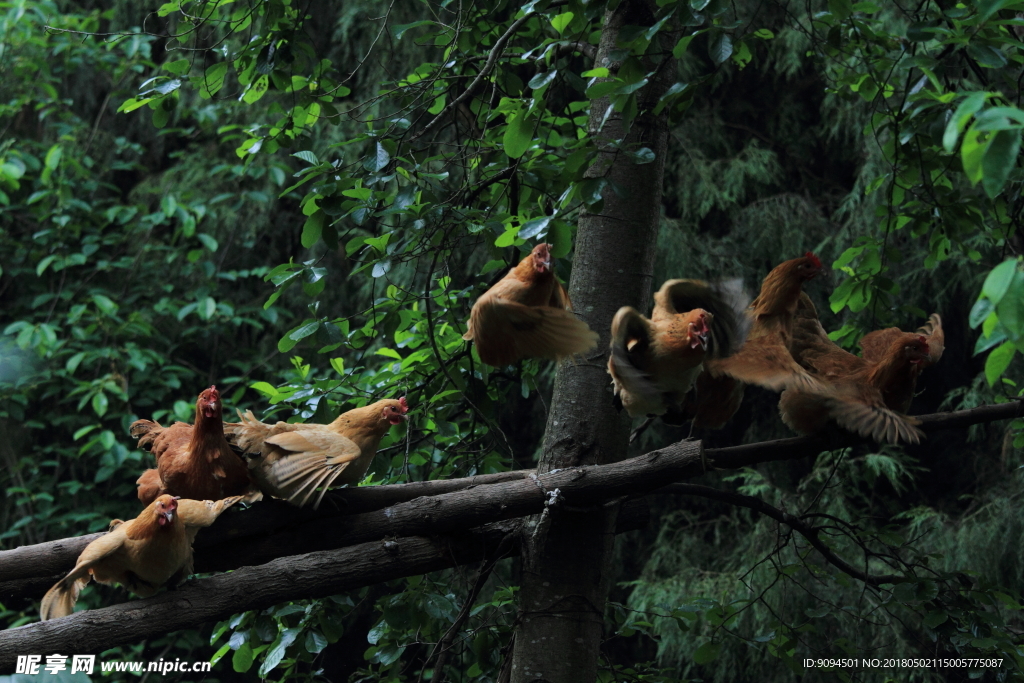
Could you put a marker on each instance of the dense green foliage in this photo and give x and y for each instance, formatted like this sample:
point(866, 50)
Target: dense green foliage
point(299, 204)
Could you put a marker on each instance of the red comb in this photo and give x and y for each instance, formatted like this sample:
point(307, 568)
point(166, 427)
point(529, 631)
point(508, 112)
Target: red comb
point(405, 404)
point(814, 259)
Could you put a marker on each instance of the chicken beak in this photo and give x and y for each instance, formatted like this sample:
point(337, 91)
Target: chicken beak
point(169, 514)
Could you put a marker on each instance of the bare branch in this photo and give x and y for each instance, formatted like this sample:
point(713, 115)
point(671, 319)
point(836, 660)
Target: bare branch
point(492, 60)
point(805, 530)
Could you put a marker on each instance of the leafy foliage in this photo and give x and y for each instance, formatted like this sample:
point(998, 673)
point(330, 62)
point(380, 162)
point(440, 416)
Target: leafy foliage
point(300, 203)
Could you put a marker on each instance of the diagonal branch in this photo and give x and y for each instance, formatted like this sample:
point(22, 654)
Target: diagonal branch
point(492, 60)
point(805, 530)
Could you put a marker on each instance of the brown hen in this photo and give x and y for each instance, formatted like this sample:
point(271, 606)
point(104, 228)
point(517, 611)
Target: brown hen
point(292, 461)
point(192, 461)
point(527, 314)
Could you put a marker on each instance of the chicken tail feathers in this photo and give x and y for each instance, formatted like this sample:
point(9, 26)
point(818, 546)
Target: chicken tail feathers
point(936, 337)
point(60, 600)
point(506, 331)
point(145, 432)
point(632, 387)
point(246, 435)
point(726, 300)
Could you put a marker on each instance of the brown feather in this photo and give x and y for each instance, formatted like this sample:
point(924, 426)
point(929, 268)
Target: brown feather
point(292, 461)
point(193, 461)
point(868, 395)
point(527, 314)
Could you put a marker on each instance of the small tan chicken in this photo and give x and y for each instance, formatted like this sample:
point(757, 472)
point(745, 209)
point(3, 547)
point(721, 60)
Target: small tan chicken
point(292, 461)
point(192, 461)
point(866, 395)
point(142, 554)
point(527, 314)
point(654, 363)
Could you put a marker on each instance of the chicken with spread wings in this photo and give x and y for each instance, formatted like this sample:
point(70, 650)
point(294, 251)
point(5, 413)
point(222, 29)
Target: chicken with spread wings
point(292, 461)
point(866, 395)
point(765, 358)
point(654, 362)
point(142, 554)
point(527, 314)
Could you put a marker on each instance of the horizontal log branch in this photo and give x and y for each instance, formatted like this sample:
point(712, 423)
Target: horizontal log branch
point(798, 447)
point(20, 567)
point(274, 529)
point(311, 575)
point(288, 578)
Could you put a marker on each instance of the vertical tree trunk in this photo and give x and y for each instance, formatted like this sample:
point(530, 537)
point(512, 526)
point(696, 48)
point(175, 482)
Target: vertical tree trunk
point(566, 551)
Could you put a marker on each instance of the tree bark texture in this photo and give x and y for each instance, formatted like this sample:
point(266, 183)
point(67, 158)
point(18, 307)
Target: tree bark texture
point(27, 572)
point(238, 536)
point(565, 551)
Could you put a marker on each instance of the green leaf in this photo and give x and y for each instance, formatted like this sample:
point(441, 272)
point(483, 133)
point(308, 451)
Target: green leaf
point(997, 362)
point(542, 79)
point(533, 228)
point(104, 304)
point(935, 618)
point(987, 55)
point(380, 268)
point(720, 48)
point(999, 280)
point(339, 365)
point(304, 331)
point(313, 228)
point(53, 157)
point(999, 161)
point(241, 661)
point(83, 431)
point(307, 156)
point(963, 114)
point(764, 34)
point(256, 90)
point(841, 9)
point(265, 388)
point(561, 21)
point(315, 641)
point(208, 241)
point(707, 652)
point(178, 67)
point(212, 80)
point(986, 8)
point(207, 308)
point(518, 135)
point(400, 29)
point(100, 403)
point(379, 160)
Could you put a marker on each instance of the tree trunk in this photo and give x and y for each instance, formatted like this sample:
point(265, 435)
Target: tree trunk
point(565, 552)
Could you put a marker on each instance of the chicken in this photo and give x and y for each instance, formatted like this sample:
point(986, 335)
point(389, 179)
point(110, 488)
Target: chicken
point(898, 390)
point(527, 314)
point(765, 358)
point(192, 461)
point(654, 363)
point(867, 395)
point(142, 554)
point(291, 461)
